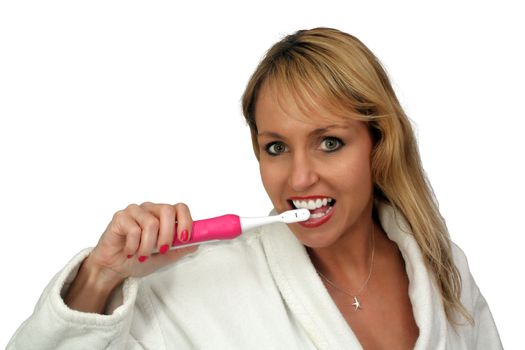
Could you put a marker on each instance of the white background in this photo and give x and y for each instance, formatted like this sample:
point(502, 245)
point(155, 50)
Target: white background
point(107, 103)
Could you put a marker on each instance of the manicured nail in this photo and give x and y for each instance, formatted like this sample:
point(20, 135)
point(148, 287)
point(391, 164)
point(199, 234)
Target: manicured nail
point(130, 256)
point(184, 236)
point(143, 258)
point(164, 249)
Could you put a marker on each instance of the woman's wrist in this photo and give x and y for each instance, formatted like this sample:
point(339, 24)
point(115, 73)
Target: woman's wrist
point(91, 288)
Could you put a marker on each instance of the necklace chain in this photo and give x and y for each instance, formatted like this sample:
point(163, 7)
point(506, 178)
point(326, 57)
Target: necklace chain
point(355, 295)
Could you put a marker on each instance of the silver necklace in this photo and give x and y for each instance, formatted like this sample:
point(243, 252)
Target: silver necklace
point(356, 302)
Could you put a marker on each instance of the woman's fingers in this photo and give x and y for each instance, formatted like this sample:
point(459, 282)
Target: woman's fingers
point(166, 215)
point(128, 229)
point(159, 224)
point(149, 225)
point(136, 232)
point(184, 222)
point(140, 229)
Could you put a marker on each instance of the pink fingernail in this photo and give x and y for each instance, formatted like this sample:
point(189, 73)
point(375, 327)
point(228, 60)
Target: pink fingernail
point(143, 258)
point(184, 236)
point(164, 249)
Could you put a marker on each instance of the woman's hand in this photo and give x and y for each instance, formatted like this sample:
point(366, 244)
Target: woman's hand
point(125, 250)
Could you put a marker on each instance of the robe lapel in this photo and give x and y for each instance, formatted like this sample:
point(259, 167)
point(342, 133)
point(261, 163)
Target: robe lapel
point(303, 291)
point(426, 301)
point(308, 300)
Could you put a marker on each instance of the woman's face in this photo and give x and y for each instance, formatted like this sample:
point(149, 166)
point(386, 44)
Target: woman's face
point(312, 160)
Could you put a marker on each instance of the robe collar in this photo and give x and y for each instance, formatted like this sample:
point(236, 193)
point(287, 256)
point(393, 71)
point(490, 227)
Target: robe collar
point(311, 304)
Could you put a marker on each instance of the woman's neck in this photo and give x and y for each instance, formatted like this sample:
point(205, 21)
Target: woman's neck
point(348, 260)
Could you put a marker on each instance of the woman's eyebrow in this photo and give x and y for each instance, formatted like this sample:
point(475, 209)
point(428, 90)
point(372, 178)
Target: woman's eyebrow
point(315, 132)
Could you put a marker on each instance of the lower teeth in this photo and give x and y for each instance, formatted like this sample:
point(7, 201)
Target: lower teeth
point(319, 215)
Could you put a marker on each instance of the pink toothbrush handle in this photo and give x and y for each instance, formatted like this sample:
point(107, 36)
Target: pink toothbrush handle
point(221, 227)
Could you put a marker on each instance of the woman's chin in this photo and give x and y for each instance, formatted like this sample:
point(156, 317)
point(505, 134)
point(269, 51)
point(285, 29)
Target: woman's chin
point(314, 240)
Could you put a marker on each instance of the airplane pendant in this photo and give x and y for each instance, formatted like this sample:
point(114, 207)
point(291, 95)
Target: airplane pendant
point(356, 304)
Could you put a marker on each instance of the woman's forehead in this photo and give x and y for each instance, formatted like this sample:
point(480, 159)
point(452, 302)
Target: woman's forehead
point(297, 122)
point(280, 107)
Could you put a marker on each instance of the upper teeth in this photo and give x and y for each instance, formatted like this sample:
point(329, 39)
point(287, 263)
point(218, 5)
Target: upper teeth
point(312, 203)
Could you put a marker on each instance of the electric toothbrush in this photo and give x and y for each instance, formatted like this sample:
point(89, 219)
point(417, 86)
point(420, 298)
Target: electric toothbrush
point(230, 226)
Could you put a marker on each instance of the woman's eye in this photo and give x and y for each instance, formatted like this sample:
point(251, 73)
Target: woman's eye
point(330, 144)
point(275, 148)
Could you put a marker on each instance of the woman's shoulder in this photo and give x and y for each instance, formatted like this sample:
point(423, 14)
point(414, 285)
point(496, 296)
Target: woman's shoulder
point(459, 257)
point(469, 289)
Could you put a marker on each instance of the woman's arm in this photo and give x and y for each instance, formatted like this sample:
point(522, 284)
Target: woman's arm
point(53, 325)
point(483, 334)
point(69, 314)
point(91, 289)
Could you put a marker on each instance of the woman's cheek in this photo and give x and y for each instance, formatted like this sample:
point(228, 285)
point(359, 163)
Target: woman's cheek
point(268, 178)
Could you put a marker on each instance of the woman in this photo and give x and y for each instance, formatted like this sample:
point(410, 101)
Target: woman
point(373, 268)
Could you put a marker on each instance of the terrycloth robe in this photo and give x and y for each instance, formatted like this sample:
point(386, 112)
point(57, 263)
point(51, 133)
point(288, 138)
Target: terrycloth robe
point(259, 291)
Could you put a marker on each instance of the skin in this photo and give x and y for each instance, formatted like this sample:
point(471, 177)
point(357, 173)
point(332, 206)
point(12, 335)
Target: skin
point(305, 167)
point(323, 155)
point(125, 250)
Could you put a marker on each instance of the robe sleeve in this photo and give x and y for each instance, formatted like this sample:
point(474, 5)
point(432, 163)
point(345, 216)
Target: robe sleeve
point(483, 333)
point(486, 335)
point(53, 325)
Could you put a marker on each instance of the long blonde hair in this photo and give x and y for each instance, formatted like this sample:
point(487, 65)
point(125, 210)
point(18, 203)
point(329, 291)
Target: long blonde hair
point(334, 67)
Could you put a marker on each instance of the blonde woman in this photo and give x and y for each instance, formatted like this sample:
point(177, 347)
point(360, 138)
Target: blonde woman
point(373, 268)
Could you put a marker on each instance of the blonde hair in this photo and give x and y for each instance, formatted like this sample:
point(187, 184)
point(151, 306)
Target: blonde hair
point(335, 68)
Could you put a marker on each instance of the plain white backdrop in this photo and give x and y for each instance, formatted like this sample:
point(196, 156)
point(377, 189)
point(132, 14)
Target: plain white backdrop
point(107, 103)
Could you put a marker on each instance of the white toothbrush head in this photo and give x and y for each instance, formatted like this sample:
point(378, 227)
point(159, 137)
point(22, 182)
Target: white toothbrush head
point(288, 217)
point(296, 215)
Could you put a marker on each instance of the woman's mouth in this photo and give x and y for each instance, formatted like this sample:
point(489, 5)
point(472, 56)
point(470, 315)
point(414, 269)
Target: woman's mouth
point(321, 209)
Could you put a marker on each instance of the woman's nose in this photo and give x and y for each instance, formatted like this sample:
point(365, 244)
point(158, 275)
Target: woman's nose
point(303, 173)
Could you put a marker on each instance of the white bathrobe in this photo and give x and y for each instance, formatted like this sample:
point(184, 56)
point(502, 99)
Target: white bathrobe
point(259, 291)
